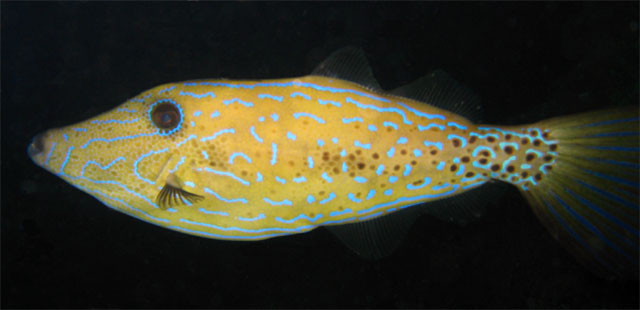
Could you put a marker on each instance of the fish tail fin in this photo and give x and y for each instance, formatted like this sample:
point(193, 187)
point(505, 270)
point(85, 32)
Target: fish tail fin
point(588, 198)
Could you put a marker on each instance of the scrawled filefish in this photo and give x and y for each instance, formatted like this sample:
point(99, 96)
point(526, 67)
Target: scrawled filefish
point(250, 160)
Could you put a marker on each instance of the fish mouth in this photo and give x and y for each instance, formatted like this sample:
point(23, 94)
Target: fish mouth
point(38, 148)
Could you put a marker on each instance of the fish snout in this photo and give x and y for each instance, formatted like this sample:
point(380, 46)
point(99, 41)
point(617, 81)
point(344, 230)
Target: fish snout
point(38, 148)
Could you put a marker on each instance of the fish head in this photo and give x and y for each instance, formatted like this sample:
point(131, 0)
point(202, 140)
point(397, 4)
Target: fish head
point(123, 156)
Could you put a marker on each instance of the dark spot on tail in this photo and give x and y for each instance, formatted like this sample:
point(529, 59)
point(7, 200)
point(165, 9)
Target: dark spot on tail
point(495, 167)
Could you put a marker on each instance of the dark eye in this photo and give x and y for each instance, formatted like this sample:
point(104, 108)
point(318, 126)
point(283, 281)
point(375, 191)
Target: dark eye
point(166, 115)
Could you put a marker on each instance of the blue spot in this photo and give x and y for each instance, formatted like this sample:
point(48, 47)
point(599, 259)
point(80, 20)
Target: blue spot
point(224, 199)
point(460, 170)
point(417, 153)
point(439, 187)
point(255, 135)
point(205, 155)
point(299, 94)
point(327, 177)
point(324, 102)
point(281, 180)
point(423, 128)
point(193, 124)
point(525, 166)
point(135, 164)
point(274, 117)
point(462, 139)
point(315, 118)
point(452, 124)
point(46, 160)
point(105, 167)
point(438, 145)
point(336, 213)
point(380, 169)
point(190, 184)
point(259, 217)
point(390, 124)
point(197, 113)
point(244, 103)
point(185, 140)
point(215, 135)
point(79, 129)
point(456, 160)
point(290, 135)
point(310, 199)
point(503, 144)
point(274, 153)
point(364, 146)
point(343, 153)
point(372, 127)
point(312, 219)
point(344, 167)
point(479, 148)
point(402, 140)
point(407, 170)
point(375, 108)
point(229, 174)
point(310, 160)
point(178, 164)
point(66, 138)
point(393, 179)
point(215, 114)
point(276, 98)
point(351, 120)
point(278, 203)
point(261, 119)
point(360, 179)
point(334, 140)
point(166, 90)
point(198, 96)
point(440, 165)
point(258, 177)
point(299, 179)
point(371, 193)
point(236, 154)
point(391, 151)
point(388, 192)
point(331, 196)
point(353, 197)
point(320, 142)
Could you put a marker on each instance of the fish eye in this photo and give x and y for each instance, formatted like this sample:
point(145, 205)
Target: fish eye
point(167, 115)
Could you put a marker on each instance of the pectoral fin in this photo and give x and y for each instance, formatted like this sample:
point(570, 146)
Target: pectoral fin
point(172, 194)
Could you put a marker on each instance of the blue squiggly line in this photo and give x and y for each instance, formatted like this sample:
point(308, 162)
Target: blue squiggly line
point(242, 200)
point(300, 114)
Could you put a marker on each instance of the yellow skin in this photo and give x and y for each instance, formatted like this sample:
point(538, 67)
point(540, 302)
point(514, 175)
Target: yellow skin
point(330, 138)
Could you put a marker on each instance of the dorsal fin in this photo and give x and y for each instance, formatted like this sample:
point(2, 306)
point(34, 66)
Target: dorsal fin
point(350, 64)
point(440, 90)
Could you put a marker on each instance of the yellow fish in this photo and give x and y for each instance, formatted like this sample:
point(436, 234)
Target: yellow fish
point(250, 160)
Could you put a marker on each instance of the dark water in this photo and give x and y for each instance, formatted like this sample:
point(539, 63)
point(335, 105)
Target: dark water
point(62, 63)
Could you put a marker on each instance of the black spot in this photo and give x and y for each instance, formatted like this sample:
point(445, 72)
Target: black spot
point(524, 141)
point(508, 149)
point(495, 167)
point(469, 174)
point(530, 157)
point(456, 142)
point(465, 159)
point(361, 166)
point(454, 167)
point(491, 139)
point(433, 152)
point(507, 137)
point(538, 177)
point(483, 161)
point(547, 158)
point(375, 156)
point(511, 168)
point(472, 139)
point(553, 147)
point(536, 142)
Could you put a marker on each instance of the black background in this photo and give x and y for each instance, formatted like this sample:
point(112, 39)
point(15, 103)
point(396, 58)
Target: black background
point(65, 62)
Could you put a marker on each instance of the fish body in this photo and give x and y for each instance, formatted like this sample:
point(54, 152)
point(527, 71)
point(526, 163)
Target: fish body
point(249, 160)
